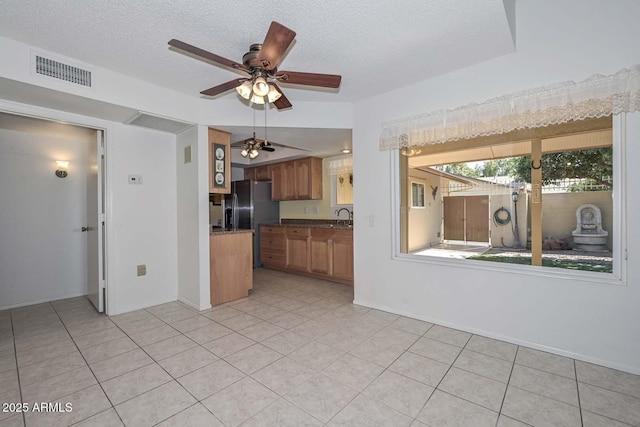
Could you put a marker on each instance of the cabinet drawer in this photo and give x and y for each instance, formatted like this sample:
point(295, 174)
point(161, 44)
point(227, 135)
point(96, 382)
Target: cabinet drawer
point(296, 232)
point(272, 242)
point(270, 229)
point(269, 257)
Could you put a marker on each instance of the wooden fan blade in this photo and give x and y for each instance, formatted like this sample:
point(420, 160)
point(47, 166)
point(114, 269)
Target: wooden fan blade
point(222, 88)
point(281, 103)
point(275, 44)
point(309, 79)
point(265, 146)
point(208, 56)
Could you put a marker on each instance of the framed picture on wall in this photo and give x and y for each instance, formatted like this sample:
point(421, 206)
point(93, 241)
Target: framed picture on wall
point(219, 155)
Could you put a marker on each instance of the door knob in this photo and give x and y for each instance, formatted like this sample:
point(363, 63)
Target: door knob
point(87, 229)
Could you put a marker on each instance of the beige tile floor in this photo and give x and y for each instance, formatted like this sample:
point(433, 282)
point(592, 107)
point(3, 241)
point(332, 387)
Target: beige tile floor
point(296, 352)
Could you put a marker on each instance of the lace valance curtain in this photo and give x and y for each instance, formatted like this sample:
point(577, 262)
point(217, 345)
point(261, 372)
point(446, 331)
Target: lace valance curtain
point(595, 97)
point(339, 164)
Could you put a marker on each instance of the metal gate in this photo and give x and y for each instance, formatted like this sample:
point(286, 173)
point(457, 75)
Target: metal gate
point(466, 218)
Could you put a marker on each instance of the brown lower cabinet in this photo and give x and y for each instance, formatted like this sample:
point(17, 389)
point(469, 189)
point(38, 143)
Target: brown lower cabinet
point(317, 252)
point(272, 246)
point(231, 258)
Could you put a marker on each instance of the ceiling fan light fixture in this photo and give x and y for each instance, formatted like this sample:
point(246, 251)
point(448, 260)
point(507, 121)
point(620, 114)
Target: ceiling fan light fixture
point(260, 86)
point(273, 94)
point(244, 90)
point(253, 153)
point(244, 152)
point(257, 99)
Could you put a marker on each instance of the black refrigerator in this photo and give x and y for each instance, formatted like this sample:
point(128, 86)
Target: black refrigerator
point(248, 206)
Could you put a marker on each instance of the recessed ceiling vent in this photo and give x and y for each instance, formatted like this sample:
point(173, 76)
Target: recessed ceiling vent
point(58, 70)
point(160, 123)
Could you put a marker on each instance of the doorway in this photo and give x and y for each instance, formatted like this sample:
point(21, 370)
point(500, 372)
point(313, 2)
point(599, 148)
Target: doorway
point(52, 228)
point(466, 218)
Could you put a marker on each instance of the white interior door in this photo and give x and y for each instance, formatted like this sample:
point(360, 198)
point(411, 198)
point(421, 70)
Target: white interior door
point(95, 223)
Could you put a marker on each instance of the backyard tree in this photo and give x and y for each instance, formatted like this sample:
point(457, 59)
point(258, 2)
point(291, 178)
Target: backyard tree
point(595, 164)
point(462, 169)
point(498, 167)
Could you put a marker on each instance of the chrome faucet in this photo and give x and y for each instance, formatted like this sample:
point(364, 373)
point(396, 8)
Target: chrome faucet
point(349, 213)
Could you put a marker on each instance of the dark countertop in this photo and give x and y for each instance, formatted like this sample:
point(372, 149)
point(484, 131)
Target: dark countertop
point(219, 231)
point(323, 226)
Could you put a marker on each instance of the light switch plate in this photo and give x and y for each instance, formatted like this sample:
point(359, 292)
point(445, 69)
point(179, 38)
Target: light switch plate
point(135, 179)
point(142, 270)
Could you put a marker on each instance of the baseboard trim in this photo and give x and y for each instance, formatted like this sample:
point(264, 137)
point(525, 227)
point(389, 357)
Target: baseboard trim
point(193, 305)
point(560, 352)
point(24, 304)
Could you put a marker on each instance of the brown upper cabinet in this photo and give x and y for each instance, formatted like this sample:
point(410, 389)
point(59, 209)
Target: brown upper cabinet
point(219, 161)
point(258, 173)
point(293, 180)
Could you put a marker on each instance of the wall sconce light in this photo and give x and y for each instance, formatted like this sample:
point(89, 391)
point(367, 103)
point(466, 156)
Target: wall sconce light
point(63, 167)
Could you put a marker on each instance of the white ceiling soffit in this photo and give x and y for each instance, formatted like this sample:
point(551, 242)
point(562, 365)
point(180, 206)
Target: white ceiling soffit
point(307, 141)
point(25, 93)
point(372, 44)
point(18, 123)
point(163, 124)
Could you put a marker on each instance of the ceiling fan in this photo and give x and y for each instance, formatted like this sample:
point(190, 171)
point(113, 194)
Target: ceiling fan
point(250, 146)
point(260, 67)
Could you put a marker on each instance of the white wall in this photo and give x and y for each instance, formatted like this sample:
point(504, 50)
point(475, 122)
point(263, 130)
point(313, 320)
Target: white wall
point(193, 247)
point(42, 250)
point(141, 219)
point(556, 41)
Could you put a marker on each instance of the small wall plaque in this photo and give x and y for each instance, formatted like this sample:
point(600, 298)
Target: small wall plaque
point(219, 155)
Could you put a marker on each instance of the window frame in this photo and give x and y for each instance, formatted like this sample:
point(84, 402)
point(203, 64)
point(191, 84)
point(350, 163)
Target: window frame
point(334, 194)
point(619, 248)
point(421, 184)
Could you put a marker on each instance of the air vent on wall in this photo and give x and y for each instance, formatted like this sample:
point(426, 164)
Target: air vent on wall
point(160, 123)
point(49, 67)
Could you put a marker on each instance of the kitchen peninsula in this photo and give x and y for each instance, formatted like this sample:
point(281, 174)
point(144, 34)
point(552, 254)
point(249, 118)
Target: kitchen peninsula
point(231, 258)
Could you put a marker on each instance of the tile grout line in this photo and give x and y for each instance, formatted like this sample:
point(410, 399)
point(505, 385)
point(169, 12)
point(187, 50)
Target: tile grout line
point(443, 376)
point(88, 366)
point(314, 373)
point(198, 401)
point(575, 370)
point(504, 397)
point(154, 361)
point(15, 354)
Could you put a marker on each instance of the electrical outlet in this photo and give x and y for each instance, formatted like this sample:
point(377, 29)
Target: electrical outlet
point(135, 179)
point(305, 210)
point(142, 270)
point(316, 211)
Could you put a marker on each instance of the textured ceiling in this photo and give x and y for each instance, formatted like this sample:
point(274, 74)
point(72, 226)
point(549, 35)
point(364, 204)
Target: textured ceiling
point(372, 44)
